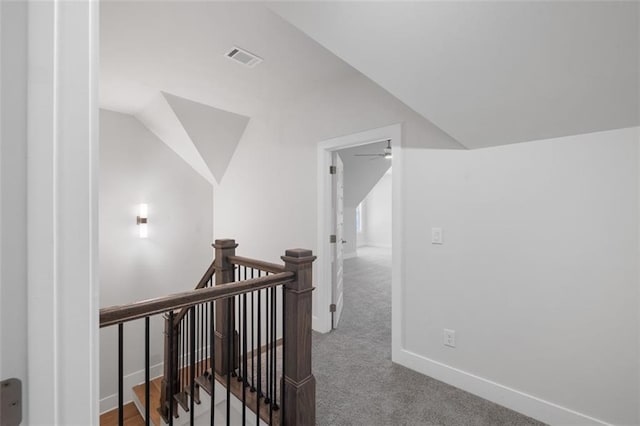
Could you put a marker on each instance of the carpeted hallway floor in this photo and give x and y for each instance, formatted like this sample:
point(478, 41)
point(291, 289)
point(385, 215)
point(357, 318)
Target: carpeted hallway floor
point(356, 382)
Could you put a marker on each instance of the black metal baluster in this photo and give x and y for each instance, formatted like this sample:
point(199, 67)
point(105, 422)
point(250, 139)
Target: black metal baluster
point(172, 373)
point(284, 342)
point(185, 354)
point(211, 363)
point(120, 376)
point(239, 313)
point(267, 399)
point(244, 357)
point(207, 325)
point(273, 361)
point(230, 343)
point(200, 339)
point(194, 364)
point(147, 400)
point(185, 351)
point(183, 348)
point(192, 349)
point(203, 340)
point(202, 343)
point(274, 316)
point(203, 351)
point(259, 360)
point(253, 346)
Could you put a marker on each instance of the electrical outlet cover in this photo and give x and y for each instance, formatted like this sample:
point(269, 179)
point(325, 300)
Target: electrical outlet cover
point(450, 338)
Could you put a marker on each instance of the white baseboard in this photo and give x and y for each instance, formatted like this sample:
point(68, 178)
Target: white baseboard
point(516, 400)
point(110, 402)
point(317, 326)
point(350, 255)
point(375, 245)
point(131, 380)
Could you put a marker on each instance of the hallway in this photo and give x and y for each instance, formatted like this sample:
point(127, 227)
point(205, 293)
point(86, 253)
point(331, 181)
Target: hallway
point(357, 384)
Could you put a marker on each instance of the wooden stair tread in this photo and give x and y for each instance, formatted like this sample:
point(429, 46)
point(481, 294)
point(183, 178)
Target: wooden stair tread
point(205, 383)
point(155, 386)
point(131, 416)
point(236, 390)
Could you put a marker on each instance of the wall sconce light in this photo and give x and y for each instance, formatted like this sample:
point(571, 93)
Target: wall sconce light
point(142, 221)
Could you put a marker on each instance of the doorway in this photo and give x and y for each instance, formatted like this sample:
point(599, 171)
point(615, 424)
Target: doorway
point(329, 294)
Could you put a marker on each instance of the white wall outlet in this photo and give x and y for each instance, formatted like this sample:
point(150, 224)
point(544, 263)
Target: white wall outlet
point(436, 236)
point(449, 338)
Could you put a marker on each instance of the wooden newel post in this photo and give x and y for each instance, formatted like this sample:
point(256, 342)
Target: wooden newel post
point(298, 382)
point(224, 274)
point(169, 386)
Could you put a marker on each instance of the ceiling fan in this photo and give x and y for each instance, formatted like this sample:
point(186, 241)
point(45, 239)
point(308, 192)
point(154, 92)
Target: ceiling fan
point(386, 153)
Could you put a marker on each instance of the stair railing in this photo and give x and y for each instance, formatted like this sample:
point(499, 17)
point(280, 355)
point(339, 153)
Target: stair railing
point(250, 333)
point(175, 351)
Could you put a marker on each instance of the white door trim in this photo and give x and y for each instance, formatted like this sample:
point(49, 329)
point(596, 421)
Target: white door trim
point(62, 212)
point(321, 315)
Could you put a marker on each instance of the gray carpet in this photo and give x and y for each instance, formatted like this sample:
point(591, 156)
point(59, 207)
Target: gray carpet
point(357, 384)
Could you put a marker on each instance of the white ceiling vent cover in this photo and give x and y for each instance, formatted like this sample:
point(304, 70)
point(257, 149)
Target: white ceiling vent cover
point(247, 59)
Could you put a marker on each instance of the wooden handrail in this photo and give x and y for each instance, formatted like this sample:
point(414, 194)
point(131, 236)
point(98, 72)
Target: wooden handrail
point(256, 264)
point(207, 276)
point(201, 284)
point(124, 313)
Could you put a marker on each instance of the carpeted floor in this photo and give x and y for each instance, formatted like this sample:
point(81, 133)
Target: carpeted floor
point(356, 382)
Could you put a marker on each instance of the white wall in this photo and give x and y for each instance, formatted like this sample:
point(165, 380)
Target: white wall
point(538, 273)
point(13, 193)
point(361, 174)
point(376, 215)
point(136, 167)
point(539, 270)
point(267, 201)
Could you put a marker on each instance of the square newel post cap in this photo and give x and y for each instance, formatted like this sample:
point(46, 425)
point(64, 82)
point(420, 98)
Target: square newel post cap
point(225, 244)
point(298, 256)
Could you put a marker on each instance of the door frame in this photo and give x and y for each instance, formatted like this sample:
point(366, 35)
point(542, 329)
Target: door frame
point(62, 213)
point(321, 314)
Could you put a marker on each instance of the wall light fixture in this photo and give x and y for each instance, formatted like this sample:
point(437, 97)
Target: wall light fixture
point(141, 220)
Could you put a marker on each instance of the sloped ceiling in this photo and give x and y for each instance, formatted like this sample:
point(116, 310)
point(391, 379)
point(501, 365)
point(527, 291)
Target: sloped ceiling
point(214, 132)
point(165, 64)
point(491, 73)
point(159, 117)
point(179, 47)
point(362, 173)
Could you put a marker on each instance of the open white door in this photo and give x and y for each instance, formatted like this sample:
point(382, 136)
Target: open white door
point(328, 298)
point(337, 206)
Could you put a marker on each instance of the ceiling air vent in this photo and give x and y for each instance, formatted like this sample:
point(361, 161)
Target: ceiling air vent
point(245, 58)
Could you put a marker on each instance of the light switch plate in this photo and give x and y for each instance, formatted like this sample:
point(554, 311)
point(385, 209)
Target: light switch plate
point(436, 236)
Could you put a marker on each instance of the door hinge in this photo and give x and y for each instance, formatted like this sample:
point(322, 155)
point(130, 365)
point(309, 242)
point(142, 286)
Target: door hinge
point(10, 402)
point(332, 307)
point(333, 170)
point(332, 239)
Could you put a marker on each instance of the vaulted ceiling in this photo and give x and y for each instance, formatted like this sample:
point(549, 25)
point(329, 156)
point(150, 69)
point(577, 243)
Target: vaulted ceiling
point(179, 47)
point(486, 73)
point(164, 63)
point(491, 73)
